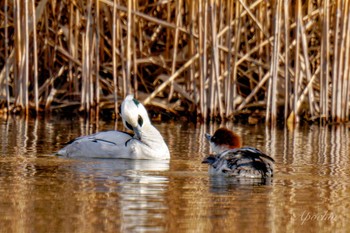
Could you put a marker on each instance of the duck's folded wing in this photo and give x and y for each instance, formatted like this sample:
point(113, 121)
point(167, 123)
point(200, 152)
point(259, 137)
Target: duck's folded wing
point(250, 159)
point(108, 144)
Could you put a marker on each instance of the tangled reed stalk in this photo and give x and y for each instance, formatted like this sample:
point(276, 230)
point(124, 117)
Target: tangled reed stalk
point(206, 58)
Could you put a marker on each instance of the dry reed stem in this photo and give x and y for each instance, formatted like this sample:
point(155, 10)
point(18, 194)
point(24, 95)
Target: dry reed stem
point(25, 82)
point(324, 62)
point(342, 70)
point(286, 60)
point(335, 64)
point(97, 55)
point(293, 115)
point(7, 59)
point(216, 62)
point(271, 113)
point(235, 63)
point(115, 34)
point(346, 86)
point(128, 47)
point(307, 66)
point(228, 80)
point(176, 40)
point(35, 55)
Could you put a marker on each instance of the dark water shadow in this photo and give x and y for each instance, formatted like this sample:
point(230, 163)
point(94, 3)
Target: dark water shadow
point(223, 184)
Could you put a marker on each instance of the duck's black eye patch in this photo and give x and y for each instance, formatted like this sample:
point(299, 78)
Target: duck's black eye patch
point(140, 121)
point(128, 125)
point(136, 102)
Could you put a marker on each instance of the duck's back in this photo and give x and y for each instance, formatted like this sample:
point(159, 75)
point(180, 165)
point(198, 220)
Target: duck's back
point(242, 162)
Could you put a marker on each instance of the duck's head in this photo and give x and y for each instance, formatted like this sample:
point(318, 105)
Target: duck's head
point(134, 115)
point(223, 139)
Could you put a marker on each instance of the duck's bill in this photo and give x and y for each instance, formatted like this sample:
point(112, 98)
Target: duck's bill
point(138, 133)
point(208, 136)
point(209, 160)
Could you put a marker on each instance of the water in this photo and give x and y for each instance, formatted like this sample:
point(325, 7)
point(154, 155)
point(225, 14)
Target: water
point(43, 193)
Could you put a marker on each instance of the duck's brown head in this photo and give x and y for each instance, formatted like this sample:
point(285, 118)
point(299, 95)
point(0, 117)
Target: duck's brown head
point(224, 139)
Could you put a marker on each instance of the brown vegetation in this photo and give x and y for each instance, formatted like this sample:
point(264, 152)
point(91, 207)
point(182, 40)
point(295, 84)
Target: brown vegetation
point(213, 58)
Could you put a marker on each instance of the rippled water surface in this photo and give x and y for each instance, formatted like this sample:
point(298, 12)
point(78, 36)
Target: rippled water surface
point(43, 193)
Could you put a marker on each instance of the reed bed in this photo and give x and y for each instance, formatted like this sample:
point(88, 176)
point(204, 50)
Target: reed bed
point(285, 60)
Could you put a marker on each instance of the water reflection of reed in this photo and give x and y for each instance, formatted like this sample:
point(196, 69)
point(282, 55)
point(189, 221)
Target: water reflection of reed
point(311, 176)
point(37, 190)
point(42, 192)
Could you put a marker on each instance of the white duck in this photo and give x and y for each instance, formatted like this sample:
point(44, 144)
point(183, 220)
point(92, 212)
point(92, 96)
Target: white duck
point(147, 143)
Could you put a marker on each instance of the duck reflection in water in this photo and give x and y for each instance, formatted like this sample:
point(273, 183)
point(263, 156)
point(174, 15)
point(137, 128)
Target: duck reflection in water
point(137, 187)
point(233, 160)
point(222, 184)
